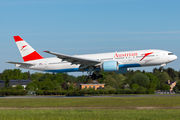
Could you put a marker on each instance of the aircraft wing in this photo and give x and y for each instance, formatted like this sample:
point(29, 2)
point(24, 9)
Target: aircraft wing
point(21, 63)
point(75, 60)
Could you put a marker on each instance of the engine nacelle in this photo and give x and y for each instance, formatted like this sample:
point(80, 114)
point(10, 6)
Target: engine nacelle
point(110, 66)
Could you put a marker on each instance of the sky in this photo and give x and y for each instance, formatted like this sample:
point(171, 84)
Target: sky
point(77, 27)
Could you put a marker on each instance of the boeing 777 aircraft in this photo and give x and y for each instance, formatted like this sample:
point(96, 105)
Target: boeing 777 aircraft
point(118, 62)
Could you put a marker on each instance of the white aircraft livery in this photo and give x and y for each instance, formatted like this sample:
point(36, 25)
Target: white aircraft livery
point(118, 62)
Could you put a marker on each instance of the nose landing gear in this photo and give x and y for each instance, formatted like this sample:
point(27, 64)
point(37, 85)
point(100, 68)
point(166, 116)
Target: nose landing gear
point(162, 67)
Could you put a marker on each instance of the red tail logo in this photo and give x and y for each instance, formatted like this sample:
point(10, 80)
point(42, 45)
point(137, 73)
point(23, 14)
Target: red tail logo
point(23, 47)
point(146, 54)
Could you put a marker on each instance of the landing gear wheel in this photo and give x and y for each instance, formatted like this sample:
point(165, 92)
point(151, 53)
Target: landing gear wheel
point(95, 76)
point(100, 76)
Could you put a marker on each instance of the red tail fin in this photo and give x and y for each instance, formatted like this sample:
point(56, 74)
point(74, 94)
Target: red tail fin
point(27, 52)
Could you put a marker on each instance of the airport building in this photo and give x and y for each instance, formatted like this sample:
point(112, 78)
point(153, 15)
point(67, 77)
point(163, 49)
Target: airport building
point(2, 84)
point(172, 84)
point(94, 86)
point(14, 83)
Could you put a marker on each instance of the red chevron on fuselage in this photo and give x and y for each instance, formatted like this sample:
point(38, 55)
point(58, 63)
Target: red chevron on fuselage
point(146, 54)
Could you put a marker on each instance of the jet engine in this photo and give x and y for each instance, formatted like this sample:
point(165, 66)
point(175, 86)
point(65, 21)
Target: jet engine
point(113, 66)
point(110, 66)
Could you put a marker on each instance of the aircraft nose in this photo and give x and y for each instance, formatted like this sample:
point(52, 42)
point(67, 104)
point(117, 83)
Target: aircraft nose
point(175, 57)
point(172, 58)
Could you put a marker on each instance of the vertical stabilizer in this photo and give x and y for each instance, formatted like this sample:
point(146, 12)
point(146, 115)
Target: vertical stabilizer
point(27, 52)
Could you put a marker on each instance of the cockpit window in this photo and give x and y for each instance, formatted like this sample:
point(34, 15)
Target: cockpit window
point(170, 54)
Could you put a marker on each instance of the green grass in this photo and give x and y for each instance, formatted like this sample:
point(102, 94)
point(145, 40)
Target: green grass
point(46, 109)
point(88, 114)
point(91, 102)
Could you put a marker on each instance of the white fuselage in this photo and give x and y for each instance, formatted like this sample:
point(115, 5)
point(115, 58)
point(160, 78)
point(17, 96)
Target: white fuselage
point(126, 59)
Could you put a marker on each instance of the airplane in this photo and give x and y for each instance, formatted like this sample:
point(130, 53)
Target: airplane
point(118, 62)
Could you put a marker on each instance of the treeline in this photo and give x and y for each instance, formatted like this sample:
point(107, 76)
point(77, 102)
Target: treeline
point(138, 82)
point(92, 91)
point(18, 90)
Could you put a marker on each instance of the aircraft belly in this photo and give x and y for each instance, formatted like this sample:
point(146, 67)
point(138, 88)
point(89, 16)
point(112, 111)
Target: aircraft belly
point(66, 67)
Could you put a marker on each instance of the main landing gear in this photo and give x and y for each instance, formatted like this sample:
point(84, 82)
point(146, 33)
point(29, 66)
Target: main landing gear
point(94, 76)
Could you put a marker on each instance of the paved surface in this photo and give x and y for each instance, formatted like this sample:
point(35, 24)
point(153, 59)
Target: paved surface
point(169, 95)
point(173, 107)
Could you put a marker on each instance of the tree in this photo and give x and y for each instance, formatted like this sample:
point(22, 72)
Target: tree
point(68, 78)
point(81, 79)
point(121, 78)
point(38, 84)
point(108, 87)
point(29, 75)
point(70, 87)
point(48, 85)
point(161, 69)
point(178, 85)
point(59, 78)
point(163, 77)
point(128, 80)
point(109, 80)
point(31, 86)
point(57, 85)
point(141, 88)
point(104, 74)
point(19, 87)
point(151, 86)
point(155, 69)
point(153, 79)
point(64, 85)
point(166, 87)
point(137, 71)
point(15, 74)
point(176, 89)
point(134, 86)
point(171, 73)
point(36, 76)
point(25, 76)
point(140, 79)
point(47, 77)
point(114, 80)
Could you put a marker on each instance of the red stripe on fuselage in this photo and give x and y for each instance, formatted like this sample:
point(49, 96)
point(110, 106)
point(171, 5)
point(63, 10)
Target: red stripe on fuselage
point(145, 55)
point(33, 56)
point(17, 38)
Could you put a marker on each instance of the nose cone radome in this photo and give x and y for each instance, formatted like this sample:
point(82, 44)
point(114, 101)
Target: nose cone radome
point(175, 57)
point(172, 58)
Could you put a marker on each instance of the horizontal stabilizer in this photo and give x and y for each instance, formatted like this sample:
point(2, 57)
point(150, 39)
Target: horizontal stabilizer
point(20, 63)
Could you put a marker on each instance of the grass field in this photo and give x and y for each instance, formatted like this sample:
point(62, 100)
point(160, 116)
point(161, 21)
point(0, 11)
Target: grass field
point(92, 102)
point(88, 114)
point(90, 108)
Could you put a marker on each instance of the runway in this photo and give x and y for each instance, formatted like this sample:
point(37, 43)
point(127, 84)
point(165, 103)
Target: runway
point(166, 95)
